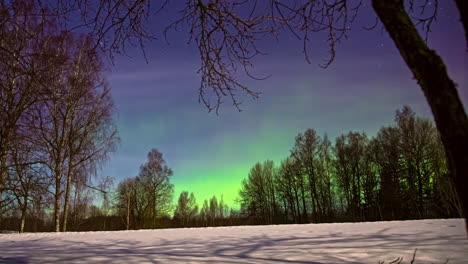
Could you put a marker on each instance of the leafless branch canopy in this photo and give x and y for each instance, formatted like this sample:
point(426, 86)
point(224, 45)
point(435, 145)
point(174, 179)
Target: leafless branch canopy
point(226, 39)
point(113, 24)
point(227, 33)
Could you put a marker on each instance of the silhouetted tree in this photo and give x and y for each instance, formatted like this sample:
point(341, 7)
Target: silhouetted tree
point(23, 38)
point(386, 156)
point(81, 200)
point(205, 213)
point(312, 154)
point(126, 199)
point(186, 209)
point(74, 117)
point(91, 134)
point(352, 166)
point(325, 172)
point(25, 181)
point(213, 210)
point(418, 141)
point(258, 195)
point(289, 184)
point(153, 184)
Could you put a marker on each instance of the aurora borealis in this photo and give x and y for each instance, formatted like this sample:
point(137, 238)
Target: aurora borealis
point(157, 103)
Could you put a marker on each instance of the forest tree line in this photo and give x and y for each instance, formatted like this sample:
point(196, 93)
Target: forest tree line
point(399, 174)
point(141, 202)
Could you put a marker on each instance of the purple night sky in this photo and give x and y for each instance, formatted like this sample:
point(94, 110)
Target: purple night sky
point(157, 103)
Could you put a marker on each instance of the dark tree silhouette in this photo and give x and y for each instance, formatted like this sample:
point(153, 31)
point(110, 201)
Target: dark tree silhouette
point(155, 187)
point(257, 195)
point(186, 209)
point(73, 120)
point(399, 174)
point(53, 100)
point(126, 199)
point(385, 154)
point(288, 184)
point(352, 167)
point(143, 200)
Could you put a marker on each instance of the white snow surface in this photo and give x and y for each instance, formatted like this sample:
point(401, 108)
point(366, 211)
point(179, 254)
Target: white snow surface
point(370, 242)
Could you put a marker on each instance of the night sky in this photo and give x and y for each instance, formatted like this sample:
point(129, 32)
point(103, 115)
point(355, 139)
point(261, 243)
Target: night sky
point(157, 102)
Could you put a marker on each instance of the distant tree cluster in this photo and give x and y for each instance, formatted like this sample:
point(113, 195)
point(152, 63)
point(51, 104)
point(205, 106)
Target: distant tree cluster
point(212, 212)
point(147, 197)
point(401, 173)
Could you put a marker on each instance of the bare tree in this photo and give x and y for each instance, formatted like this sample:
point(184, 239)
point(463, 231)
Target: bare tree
point(306, 152)
point(26, 181)
point(289, 184)
point(385, 154)
point(91, 134)
point(213, 210)
point(418, 142)
point(325, 171)
point(257, 194)
point(251, 194)
point(154, 179)
point(74, 118)
point(205, 213)
point(21, 39)
point(351, 167)
point(186, 209)
point(81, 200)
point(126, 199)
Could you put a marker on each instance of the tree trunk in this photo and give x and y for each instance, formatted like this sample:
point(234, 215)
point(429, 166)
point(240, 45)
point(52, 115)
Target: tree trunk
point(440, 91)
point(128, 213)
point(66, 203)
point(304, 207)
point(23, 214)
point(3, 174)
point(57, 203)
point(313, 197)
point(67, 193)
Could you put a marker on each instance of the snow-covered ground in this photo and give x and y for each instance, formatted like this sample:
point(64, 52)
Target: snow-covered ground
point(436, 241)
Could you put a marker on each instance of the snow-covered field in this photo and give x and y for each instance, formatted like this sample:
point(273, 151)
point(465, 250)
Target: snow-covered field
point(436, 241)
